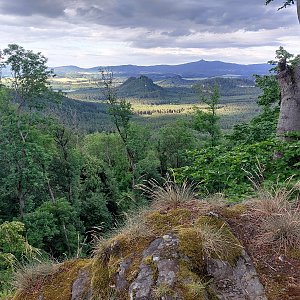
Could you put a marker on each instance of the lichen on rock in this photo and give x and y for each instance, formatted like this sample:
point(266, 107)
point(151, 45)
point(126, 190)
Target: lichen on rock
point(178, 253)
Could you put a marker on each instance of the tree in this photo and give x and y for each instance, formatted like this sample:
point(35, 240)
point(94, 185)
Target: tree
point(173, 142)
point(121, 111)
point(288, 74)
point(208, 122)
point(28, 87)
point(29, 77)
point(54, 227)
point(13, 248)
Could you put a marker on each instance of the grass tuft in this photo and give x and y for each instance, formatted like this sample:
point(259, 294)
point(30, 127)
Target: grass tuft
point(279, 217)
point(170, 194)
point(28, 276)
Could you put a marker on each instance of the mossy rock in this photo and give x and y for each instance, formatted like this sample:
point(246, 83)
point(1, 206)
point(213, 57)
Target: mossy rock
point(168, 259)
point(58, 285)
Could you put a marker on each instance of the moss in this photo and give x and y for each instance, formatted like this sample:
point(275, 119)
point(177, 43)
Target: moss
point(163, 290)
point(234, 211)
point(57, 286)
point(100, 278)
point(229, 246)
point(193, 246)
point(189, 282)
point(189, 228)
point(293, 253)
point(190, 245)
point(106, 263)
point(161, 223)
point(125, 246)
point(211, 295)
point(60, 287)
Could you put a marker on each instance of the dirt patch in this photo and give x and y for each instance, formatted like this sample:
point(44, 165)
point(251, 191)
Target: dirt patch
point(279, 272)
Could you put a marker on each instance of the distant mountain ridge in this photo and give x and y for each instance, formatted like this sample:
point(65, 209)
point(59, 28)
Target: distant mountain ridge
point(196, 69)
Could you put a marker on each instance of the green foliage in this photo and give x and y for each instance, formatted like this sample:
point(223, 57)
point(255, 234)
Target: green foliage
point(220, 169)
point(173, 142)
point(13, 248)
point(284, 56)
point(271, 91)
point(23, 164)
point(207, 122)
point(259, 129)
point(94, 213)
point(29, 74)
point(54, 227)
point(66, 162)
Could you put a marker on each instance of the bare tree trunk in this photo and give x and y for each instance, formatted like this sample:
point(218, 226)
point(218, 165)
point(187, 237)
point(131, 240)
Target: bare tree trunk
point(289, 117)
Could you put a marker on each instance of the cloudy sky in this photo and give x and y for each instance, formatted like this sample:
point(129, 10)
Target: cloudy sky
point(145, 32)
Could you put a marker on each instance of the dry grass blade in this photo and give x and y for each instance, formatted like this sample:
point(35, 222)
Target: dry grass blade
point(279, 217)
point(169, 194)
point(216, 242)
point(134, 228)
point(275, 201)
point(28, 276)
point(282, 230)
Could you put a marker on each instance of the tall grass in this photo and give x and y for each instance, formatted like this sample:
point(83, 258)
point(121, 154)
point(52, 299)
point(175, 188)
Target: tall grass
point(279, 216)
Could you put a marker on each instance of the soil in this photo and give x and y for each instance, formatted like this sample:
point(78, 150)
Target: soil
point(278, 271)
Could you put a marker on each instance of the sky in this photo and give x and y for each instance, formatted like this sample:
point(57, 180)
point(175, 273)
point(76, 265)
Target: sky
point(146, 32)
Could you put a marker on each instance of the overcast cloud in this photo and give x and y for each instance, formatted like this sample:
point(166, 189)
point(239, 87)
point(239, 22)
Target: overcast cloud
point(110, 32)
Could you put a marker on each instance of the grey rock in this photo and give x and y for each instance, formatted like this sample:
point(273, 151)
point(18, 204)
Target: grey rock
point(141, 287)
point(121, 282)
point(167, 270)
point(162, 271)
point(239, 282)
point(81, 287)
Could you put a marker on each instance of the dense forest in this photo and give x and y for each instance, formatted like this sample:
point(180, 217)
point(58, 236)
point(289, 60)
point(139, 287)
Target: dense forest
point(61, 187)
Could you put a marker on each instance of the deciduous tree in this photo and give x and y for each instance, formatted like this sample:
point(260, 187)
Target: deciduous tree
point(288, 75)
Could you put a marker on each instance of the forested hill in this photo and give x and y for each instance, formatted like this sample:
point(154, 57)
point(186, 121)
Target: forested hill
point(199, 68)
point(142, 87)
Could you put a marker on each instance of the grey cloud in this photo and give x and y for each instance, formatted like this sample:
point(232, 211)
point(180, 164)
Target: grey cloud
point(157, 23)
point(148, 42)
point(177, 32)
point(214, 16)
point(49, 8)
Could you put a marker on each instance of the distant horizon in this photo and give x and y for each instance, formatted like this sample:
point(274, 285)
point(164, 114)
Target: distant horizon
point(161, 64)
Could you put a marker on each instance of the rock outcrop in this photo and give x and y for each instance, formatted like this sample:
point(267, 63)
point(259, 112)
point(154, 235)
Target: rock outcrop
point(181, 253)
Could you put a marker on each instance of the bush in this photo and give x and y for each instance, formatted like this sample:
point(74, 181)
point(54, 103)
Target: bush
point(227, 170)
point(54, 227)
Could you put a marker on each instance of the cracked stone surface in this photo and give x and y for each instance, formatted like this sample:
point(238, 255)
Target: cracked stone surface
point(239, 282)
point(162, 270)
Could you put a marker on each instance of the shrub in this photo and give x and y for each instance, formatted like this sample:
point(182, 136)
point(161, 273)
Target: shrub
point(226, 170)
